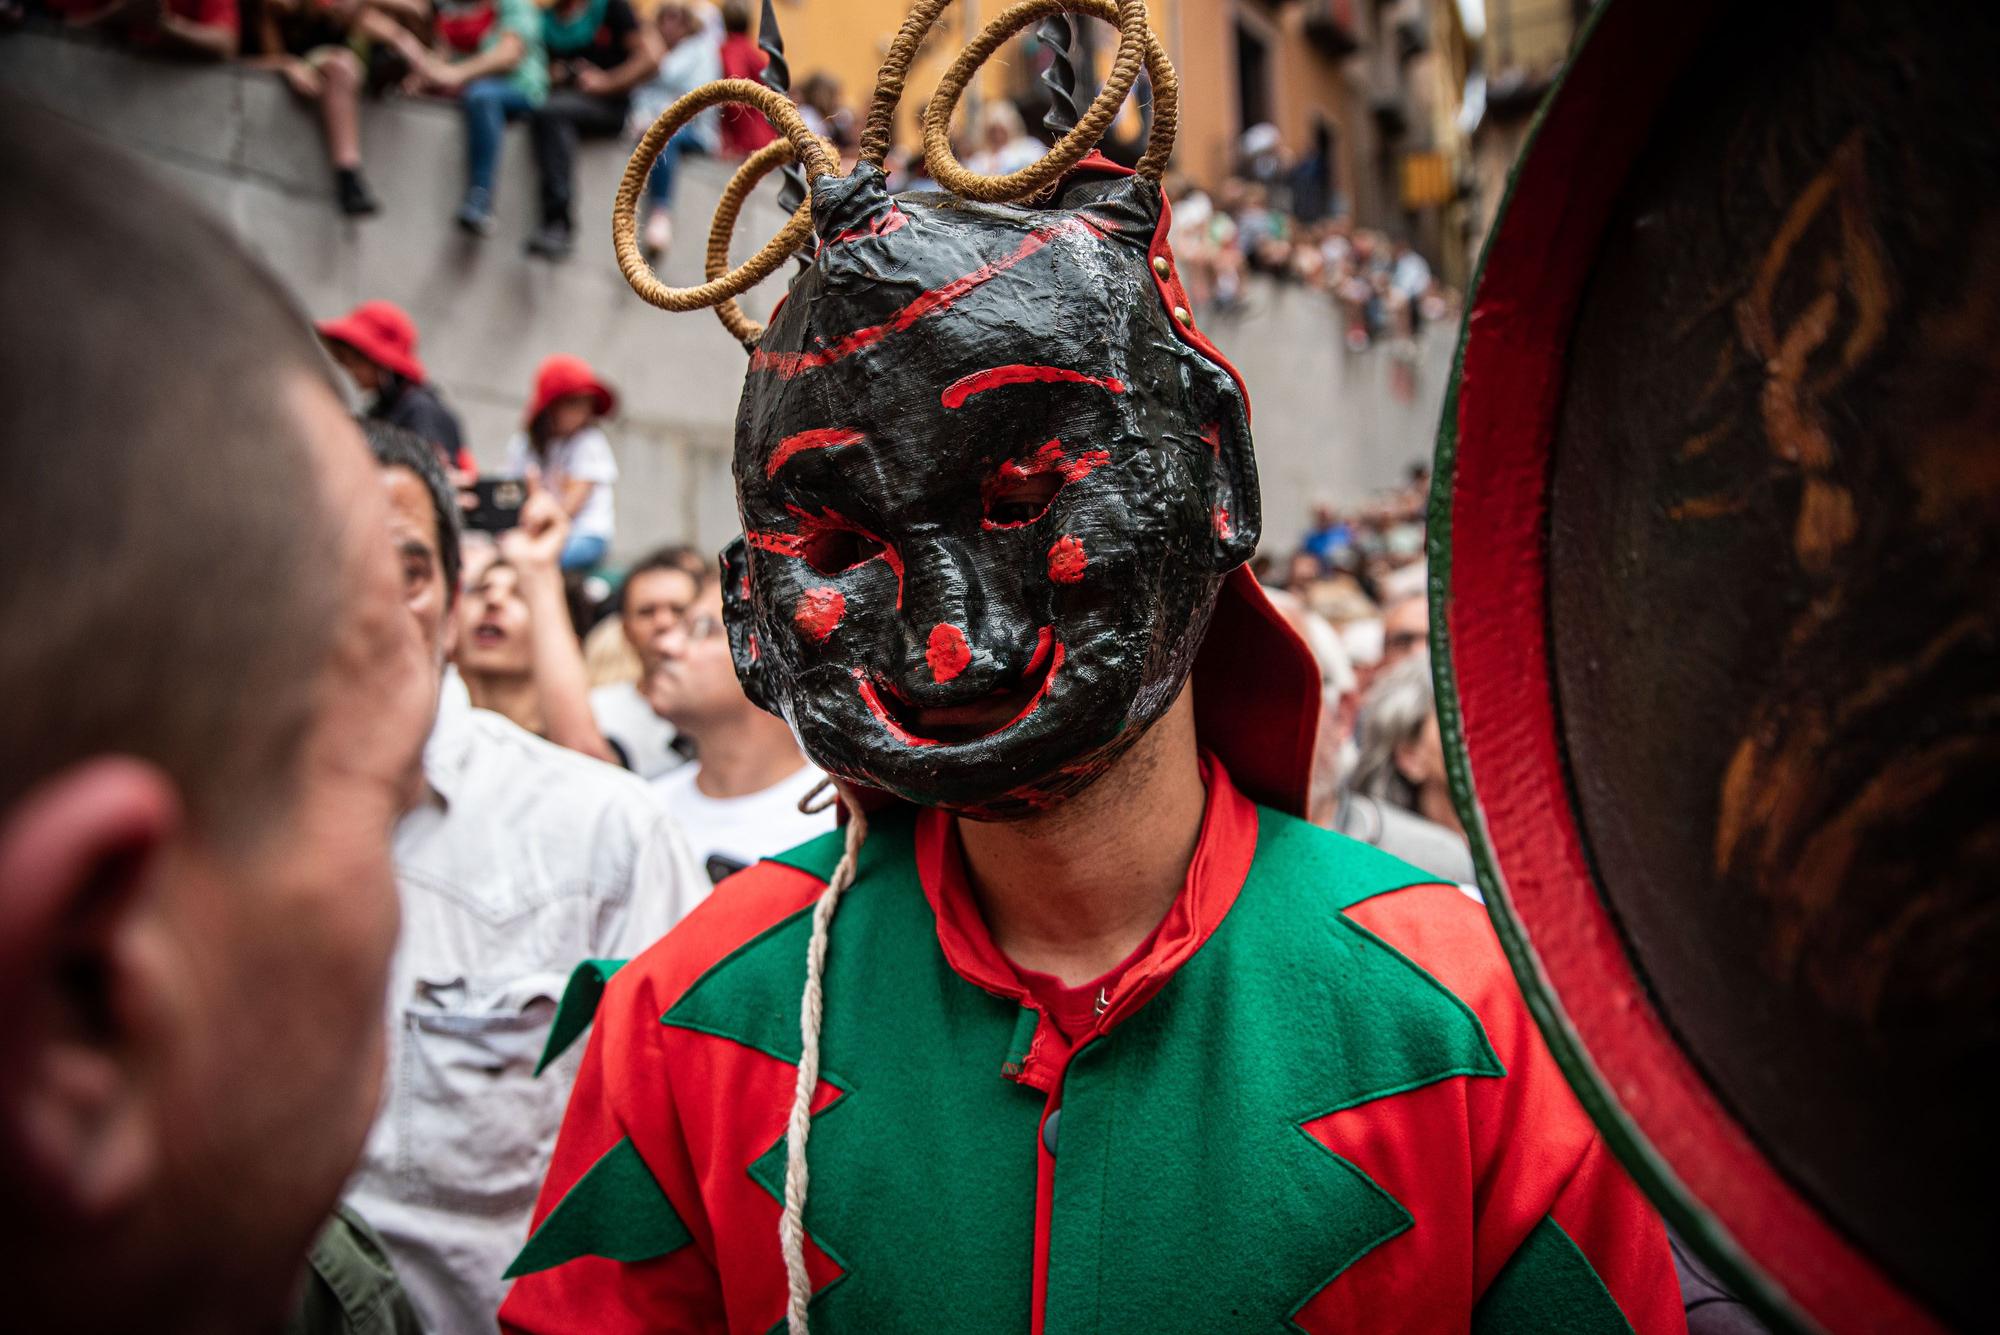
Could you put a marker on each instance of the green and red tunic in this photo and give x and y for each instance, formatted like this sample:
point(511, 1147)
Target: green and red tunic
point(1314, 1101)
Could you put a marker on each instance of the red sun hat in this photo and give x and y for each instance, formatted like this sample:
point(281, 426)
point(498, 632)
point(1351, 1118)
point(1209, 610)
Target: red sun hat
point(383, 333)
point(561, 376)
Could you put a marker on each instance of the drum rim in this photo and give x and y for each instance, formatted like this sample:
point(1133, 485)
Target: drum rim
point(1492, 662)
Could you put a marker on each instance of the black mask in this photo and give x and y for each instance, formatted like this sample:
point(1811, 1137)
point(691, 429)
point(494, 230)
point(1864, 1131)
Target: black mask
point(988, 490)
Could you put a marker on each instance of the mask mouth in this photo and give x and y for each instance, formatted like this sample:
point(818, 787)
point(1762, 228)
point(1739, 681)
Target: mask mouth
point(972, 720)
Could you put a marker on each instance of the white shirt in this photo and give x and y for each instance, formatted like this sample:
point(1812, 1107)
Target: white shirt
point(696, 60)
point(524, 860)
point(583, 457)
point(627, 718)
point(742, 829)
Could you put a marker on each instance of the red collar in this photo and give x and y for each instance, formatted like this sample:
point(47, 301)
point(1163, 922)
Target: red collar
point(1221, 862)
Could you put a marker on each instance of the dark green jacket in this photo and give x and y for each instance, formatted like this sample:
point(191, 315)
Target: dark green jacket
point(351, 1289)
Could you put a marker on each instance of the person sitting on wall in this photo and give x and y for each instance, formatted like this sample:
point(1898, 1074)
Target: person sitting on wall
point(490, 57)
point(599, 52)
point(191, 29)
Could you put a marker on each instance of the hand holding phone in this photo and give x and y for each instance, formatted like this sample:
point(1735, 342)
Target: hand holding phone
point(493, 504)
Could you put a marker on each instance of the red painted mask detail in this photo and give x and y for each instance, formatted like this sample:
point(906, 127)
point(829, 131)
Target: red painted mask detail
point(1022, 475)
point(830, 543)
point(882, 716)
point(786, 365)
point(948, 654)
point(1211, 435)
point(825, 438)
point(1067, 560)
point(1223, 528)
point(1042, 642)
point(873, 698)
point(895, 220)
point(1055, 666)
point(979, 382)
point(751, 644)
point(819, 612)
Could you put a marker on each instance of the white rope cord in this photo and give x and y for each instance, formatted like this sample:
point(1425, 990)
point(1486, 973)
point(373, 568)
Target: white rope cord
point(791, 1224)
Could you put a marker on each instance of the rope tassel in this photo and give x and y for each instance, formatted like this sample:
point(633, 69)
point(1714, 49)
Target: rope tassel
point(812, 1005)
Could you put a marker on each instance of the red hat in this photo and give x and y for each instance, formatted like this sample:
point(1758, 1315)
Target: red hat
point(561, 376)
point(381, 332)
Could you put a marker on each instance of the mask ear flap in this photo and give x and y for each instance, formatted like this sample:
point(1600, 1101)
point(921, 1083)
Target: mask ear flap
point(739, 615)
point(1235, 510)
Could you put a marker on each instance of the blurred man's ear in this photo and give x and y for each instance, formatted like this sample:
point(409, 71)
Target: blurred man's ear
point(79, 860)
point(447, 645)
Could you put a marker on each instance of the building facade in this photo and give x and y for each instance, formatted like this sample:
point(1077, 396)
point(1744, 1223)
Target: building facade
point(1355, 90)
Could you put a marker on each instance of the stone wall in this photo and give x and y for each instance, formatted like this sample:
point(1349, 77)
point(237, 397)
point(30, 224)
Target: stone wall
point(1329, 424)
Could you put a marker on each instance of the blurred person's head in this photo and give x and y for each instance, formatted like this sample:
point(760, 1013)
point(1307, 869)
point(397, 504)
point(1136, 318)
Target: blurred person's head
point(608, 658)
point(1303, 569)
point(423, 529)
point(658, 591)
point(1401, 758)
point(477, 550)
point(568, 396)
point(494, 641)
point(821, 92)
point(676, 23)
point(741, 748)
point(735, 17)
point(210, 715)
point(1000, 124)
point(1406, 628)
point(694, 686)
point(375, 343)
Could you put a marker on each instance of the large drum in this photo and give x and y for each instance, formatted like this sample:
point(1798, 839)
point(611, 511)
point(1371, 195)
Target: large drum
point(1717, 514)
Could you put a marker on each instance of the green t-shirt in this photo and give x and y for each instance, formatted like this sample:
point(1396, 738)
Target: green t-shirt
point(524, 20)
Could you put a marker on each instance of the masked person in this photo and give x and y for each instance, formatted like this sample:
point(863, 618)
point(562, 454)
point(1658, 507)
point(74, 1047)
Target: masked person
point(1102, 1035)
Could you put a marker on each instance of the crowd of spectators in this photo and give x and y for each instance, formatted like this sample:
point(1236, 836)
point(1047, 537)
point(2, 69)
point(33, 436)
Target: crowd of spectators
point(1278, 216)
point(1357, 590)
point(569, 69)
point(605, 69)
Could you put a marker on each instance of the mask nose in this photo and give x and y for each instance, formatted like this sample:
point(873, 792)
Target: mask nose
point(956, 641)
point(946, 652)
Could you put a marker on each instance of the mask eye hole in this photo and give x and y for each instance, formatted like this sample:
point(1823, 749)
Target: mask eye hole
point(832, 551)
point(1013, 498)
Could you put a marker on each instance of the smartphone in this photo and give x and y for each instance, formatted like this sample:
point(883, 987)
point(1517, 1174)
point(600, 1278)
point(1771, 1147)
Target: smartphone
point(495, 504)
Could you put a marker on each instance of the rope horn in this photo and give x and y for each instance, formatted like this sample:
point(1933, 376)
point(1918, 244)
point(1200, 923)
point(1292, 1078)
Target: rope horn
point(806, 156)
point(808, 148)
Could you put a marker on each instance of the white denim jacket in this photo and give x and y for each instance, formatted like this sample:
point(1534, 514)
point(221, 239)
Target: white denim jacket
point(524, 860)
